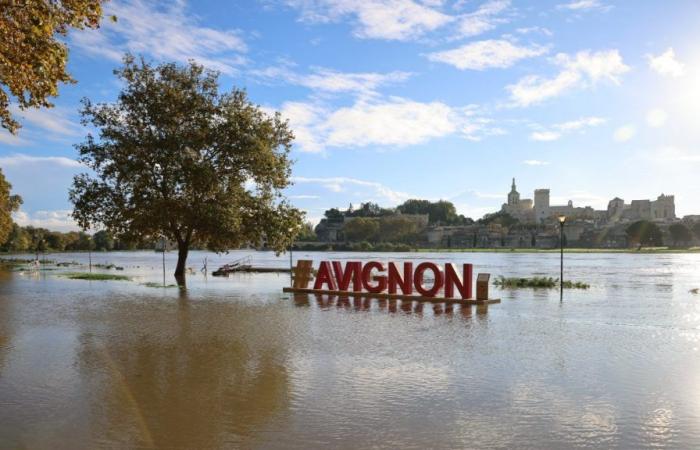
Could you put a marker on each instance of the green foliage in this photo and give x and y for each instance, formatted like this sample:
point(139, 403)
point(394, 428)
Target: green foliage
point(33, 54)
point(680, 234)
point(334, 215)
point(644, 233)
point(361, 229)
point(177, 158)
point(8, 204)
point(31, 239)
point(442, 211)
point(502, 218)
point(306, 233)
point(368, 209)
point(537, 282)
point(95, 276)
point(575, 285)
point(696, 230)
point(396, 228)
point(103, 241)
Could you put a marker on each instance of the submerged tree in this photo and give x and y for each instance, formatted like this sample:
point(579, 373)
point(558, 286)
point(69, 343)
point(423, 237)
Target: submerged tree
point(8, 204)
point(177, 158)
point(32, 56)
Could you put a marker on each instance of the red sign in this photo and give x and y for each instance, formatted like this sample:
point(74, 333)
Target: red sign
point(393, 279)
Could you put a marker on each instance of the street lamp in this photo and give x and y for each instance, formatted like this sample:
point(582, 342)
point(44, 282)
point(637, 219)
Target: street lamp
point(292, 232)
point(562, 221)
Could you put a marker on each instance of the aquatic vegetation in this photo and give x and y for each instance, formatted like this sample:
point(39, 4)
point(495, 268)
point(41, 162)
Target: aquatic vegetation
point(95, 276)
point(108, 266)
point(22, 261)
point(159, 285)
point(537, 283)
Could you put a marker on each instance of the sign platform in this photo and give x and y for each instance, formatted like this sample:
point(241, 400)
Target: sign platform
point(383, 295)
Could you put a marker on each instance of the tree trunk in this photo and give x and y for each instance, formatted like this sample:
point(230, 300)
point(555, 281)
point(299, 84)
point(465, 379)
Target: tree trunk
point(182, 251)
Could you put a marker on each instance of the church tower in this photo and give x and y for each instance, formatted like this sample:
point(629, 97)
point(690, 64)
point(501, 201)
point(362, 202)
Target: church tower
point(513, 196)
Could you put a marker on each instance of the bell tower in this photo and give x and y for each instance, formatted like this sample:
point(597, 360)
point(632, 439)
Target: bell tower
point(513, 196)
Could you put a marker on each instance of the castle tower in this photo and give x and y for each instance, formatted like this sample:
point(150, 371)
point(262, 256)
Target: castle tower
point(541, 204)
point(513, 196)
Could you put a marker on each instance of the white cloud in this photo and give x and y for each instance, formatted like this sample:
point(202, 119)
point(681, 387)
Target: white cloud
point(341, 184)
point(580, 123)
point(328, 80)
point(582, 70)
point(487, 17)
point(583, 5)
point(57, 220)
point(394, 122)
point(8, 138)
point(303, 197)
point(54, 120)
point(535, 29)
point(486, 54)
point(535, 162)
point(559, 129)
point(20, 159)
point(656, 117)
point(545, 136)
point(624, 133)
point(165, 31)
point(676, 154)
point(666, 64)
point(376, 19)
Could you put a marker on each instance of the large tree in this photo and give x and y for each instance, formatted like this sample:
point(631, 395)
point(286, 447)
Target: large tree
point(32, 58)
point(361, 229)
point(177, 158)
point(644, 233)
point(680, 234)
point(8, 204)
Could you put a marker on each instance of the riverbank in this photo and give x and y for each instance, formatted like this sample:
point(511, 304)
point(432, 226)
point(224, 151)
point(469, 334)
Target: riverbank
point(646, 250)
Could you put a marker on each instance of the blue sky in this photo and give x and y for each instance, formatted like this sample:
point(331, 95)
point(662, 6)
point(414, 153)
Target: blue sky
point(397, 99)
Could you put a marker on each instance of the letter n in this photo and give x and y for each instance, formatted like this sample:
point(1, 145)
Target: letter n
point(406, 283)
point(464, 286)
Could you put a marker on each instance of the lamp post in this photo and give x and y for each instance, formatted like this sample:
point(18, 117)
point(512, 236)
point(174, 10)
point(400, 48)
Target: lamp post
point(292, 232)
point(562, 221)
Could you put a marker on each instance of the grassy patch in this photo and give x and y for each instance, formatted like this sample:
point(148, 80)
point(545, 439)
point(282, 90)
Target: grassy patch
point(537, 283)
point(108, 266)
point(95, 276)
point(159, 285)
point(575, 285)
point(21, 261)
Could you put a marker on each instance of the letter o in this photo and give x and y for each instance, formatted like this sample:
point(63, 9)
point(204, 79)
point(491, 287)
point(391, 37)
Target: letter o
point(418, 279)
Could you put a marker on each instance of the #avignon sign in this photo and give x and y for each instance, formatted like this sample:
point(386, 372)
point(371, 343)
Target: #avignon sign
point(392, 281)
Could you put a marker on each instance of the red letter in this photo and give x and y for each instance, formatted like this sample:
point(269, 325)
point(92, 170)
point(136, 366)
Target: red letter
point(395, 279)
point(464, 286)
point(324, 277)
point(352, 271)
point(367, 277)
point(418, 279)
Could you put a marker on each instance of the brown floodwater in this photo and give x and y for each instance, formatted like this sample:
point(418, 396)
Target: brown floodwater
point(234, 363)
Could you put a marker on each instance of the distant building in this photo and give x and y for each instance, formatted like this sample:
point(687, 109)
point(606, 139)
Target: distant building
point(520, 209)
point(539, 211)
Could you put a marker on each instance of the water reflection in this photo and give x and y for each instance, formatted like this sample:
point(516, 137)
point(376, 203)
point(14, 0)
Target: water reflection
point(326, 302)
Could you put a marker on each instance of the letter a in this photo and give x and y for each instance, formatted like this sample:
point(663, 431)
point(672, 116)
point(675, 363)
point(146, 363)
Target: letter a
point(324, 276)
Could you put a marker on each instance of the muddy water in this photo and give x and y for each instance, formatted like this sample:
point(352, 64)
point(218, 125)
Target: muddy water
point(233, 363)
